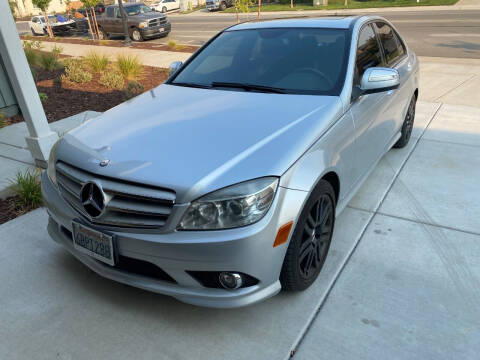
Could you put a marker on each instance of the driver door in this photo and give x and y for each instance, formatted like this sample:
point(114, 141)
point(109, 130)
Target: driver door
point(368, 110)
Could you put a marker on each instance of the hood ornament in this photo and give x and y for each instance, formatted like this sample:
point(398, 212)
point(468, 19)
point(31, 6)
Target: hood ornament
point(104, 162)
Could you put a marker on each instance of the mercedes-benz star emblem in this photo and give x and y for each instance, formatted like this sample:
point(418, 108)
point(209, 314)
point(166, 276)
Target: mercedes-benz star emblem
point(93, 199)
point(104, 162)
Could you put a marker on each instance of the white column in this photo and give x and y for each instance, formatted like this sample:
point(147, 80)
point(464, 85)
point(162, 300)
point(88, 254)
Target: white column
point(41, 138)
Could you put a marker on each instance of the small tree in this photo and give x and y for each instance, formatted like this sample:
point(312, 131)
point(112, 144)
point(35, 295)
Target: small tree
point(90, 4)
point(43, 5)
point(242, 6)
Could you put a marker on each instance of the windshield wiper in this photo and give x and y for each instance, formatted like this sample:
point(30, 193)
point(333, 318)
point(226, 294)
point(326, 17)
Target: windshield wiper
point(248, 87)
point(186, 84)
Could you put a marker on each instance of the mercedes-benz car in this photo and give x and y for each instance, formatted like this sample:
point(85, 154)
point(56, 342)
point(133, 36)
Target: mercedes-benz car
point(221, 186)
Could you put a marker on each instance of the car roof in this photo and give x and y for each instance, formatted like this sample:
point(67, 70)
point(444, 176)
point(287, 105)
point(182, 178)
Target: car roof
point(332, 22)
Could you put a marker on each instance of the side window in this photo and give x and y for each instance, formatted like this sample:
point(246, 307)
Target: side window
point(110, 12)
point(368, 52)
point(392, 47)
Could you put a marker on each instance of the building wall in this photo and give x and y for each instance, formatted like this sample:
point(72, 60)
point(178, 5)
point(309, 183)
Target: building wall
point(26, 8)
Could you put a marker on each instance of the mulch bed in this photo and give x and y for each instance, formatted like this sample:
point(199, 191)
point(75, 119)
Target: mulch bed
point(66, 99)
point(114, 43)
point(9, 209)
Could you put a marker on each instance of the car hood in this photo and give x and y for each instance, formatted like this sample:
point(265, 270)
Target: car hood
point(198, 140)
point(148, 16)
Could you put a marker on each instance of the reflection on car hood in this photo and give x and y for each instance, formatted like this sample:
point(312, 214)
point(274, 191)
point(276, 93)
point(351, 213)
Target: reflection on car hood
point(197, 140)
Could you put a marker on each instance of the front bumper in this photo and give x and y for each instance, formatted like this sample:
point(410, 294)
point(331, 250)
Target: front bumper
point(213, 6)
point(248, 250)
point(155, 31)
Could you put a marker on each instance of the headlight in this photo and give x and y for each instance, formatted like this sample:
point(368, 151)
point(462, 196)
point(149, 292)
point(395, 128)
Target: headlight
point(234, 206)
point(51, 163)
point(143, 24)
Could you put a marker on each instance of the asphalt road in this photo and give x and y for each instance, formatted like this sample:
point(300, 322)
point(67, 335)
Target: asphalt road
point(452, 33)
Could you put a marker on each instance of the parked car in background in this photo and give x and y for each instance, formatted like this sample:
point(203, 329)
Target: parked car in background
point(221, 5)
point(221, 186)
point(143, 22)
point(60, 25)
point(165, 5)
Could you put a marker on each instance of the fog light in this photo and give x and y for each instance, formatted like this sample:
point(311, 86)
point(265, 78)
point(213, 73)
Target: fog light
point(230, 281)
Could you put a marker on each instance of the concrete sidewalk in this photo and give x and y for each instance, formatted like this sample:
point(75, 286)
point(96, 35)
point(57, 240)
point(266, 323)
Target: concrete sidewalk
point(402, 278)
point(156, 58)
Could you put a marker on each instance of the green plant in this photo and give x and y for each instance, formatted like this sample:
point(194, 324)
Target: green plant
point(133, 89)
point(74, 72)
point(13, 8)
point(56, 51)
point(129, 66)
point(97, 62)
point(43, 96)
point(48, 61)
point(112, 79)
point(30, 48)
point(27, 187)
point(173, 45)
point(57, 81)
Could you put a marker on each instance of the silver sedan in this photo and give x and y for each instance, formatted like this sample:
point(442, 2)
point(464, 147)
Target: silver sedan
point(221, 186)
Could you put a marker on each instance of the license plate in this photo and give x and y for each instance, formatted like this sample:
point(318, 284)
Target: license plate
point(93, 243)
point(161, 29)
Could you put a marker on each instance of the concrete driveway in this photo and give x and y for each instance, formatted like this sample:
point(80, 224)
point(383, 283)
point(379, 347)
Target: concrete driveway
point(402, 278)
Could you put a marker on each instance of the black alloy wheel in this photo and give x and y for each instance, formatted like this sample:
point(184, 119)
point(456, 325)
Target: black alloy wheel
point(310, 242)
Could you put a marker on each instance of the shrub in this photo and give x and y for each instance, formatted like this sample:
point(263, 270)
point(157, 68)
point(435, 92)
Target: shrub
point(112, 79)
point(31, 55)
point(133, 89)
point(43, 96)
point(56, 51)
point(74, 72)
point(27, 188)
point(173, 45)
point(57, 81)
point(129, 66)
point(34, 74)
point(3, 123)
point(48, 61)
point(96, 61)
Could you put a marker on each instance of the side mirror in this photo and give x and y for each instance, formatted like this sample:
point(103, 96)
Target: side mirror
point(174, 67)
point(377, 79)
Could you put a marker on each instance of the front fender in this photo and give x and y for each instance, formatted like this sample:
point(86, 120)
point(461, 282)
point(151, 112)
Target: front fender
point(333, 152)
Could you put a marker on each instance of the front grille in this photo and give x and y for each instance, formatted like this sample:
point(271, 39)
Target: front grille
point(127, 204)
point(157, 22)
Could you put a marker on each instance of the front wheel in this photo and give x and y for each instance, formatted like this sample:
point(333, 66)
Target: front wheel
point(223, 6)
point(407, 126)
point(164, 10)
point(310, 240)
point(136, 35)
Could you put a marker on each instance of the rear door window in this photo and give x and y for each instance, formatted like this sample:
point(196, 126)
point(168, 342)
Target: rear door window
point(392, 46)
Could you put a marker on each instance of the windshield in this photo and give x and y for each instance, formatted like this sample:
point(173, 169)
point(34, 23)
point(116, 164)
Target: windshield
point(295, 60)
point(137, 9)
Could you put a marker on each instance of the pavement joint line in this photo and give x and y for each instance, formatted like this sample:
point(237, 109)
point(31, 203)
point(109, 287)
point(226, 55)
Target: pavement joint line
point(456, 87)
point(415, 221)
point(450, 142)
point(313, 317)
point(15, 146)
point(10, 158)
point(303, 333)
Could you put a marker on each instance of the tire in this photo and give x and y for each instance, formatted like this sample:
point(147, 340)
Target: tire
point(164, 10)
point(102, 34)
point(407, 126)
point(136, 35)
point(223, 6)
point(33, 31)
point(306, 245)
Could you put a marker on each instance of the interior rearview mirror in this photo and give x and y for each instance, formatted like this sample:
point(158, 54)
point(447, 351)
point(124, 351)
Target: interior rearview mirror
point(174, 67)
point(378, 79)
